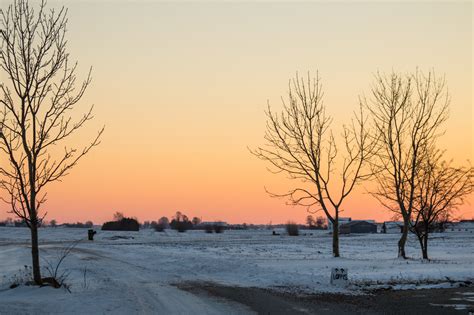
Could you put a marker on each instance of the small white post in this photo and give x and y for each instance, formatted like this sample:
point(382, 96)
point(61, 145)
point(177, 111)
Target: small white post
point(339, 276)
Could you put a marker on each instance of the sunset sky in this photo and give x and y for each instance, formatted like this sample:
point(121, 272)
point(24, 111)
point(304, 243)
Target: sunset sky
point(182, 87)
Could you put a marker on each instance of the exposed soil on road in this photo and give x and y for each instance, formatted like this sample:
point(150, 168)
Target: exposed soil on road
point(266, 301)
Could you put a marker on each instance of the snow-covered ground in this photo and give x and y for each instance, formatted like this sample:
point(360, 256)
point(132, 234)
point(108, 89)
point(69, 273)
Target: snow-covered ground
point(128, 272)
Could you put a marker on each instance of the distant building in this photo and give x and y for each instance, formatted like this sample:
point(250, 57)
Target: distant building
point(346, 220)
point(341, 221)
point(392, 227)
point(461, 226)
point(358, 227)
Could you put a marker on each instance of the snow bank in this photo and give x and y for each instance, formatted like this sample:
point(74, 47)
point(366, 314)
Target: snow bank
point(123, 272)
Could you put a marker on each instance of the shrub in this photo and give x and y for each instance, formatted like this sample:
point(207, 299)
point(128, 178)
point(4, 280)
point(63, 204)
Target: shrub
point(181, 223)
point(181, 226)
point(218, 228)
point(58, 277)
point(292, 229)
point(164, 221)
point(159, 227)
point(21, 277)
point(125, 224)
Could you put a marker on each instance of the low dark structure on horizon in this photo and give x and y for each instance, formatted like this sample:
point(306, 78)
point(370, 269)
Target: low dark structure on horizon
point(124, 224)
point(87, 224)
point(358, 227)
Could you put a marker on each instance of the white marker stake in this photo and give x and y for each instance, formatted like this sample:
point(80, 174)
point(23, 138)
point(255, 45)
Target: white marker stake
point(339, 277)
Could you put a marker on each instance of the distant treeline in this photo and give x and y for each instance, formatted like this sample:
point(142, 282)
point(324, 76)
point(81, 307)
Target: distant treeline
point(87, 224)
point(179, 222)
point(43, 223)
point(11, 222)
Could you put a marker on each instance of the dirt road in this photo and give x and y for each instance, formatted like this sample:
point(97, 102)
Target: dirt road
point(262, 301)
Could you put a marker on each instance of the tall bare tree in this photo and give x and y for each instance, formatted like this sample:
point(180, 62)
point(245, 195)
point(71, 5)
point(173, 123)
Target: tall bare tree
point(310, 221)
point(408, 111)
point(36, 102)
point(300, 144)
point(441, 188)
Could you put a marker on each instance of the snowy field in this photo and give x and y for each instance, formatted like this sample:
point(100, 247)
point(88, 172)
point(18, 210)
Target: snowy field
point(129, 272)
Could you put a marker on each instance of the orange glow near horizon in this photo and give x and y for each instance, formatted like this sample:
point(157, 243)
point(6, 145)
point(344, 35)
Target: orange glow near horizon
point(182, 89)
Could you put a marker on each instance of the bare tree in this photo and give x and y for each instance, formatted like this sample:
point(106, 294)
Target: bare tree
point(196, 221)
point(300, 144)
point(36, 102)
point(441, 188)
point(161, 225)
point(320, 222)
point(408, 111)
point(164, 221)
point(118, 216)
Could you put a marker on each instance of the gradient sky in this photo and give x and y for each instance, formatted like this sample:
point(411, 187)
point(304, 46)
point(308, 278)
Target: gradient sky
point(182, 88)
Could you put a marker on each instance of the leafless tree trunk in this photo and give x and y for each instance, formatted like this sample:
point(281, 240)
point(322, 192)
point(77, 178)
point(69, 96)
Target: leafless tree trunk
point(37, 97)
point(441, 188)
point(300, 144)
point(408, 111)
